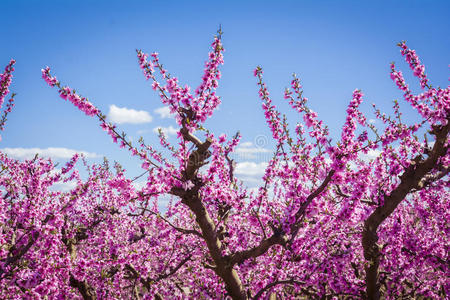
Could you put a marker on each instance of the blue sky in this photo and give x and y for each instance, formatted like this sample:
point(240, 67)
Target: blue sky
point(333, 46)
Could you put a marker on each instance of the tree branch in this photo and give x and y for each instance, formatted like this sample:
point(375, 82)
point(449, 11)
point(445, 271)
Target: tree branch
point(278, 238)
point(179, 229)
point(275, 283)
point(85, 290)
point(410, 179)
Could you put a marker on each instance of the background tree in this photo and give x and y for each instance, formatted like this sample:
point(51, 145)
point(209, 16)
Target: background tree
point(362, 217)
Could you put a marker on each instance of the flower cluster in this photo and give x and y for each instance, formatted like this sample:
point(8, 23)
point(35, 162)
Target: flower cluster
point(433, 104)
point(67, 93)
point(414, 63)
point(187, 107)
point(5, 82)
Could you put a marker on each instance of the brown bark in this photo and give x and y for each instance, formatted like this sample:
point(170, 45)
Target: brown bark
point(86, 292)
point(411, 179)
point(192, 199)
point(222, 267)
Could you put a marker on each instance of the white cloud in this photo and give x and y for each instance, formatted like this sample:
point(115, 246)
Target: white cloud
point(163, 112)
point(64, 186)
point(54, 153)
point(255, 191)
point(122, 115)
point(372, 121)
point(248, 151)
point(166, 130)
point(371, 155)
point(143, 131)
point(251, 180)
point(139, 185)
point(249, 168)
point(252, 150)
point(246, 144)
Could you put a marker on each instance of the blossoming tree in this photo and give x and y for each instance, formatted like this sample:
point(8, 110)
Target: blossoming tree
point(79, 243)
point(327, 222)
